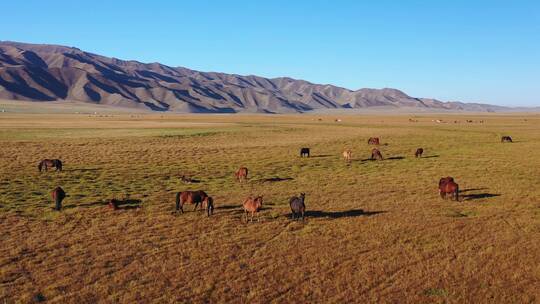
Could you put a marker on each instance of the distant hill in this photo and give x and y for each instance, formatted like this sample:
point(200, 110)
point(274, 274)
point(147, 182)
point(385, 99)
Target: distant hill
point(40, 72)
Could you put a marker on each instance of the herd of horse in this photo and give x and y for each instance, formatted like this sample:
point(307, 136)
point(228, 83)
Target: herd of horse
point(252, 205)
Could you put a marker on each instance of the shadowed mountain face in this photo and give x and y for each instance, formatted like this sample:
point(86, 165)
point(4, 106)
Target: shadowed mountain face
point(49, 72)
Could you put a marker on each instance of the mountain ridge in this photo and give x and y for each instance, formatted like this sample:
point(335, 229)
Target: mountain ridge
point(43, 72)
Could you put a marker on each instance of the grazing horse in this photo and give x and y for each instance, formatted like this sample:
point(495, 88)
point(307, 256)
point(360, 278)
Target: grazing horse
point(347, 155)
point(194, 197)
point(373, 141)
point(50, 163)
point(376, 154)
point(252, 205)
point(418, 152)
point(447, 185)
point(58, 196)
point(241, 174)
point(506, 139)
point(304, 152)
point(298, 207)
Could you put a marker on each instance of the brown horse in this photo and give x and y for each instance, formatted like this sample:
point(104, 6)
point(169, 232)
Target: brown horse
point(241, 174)
point(506, 139)
point(347, 155)
point(418, 152)
point(376, 154)
point(298, 206)
point(58, 196)
point(373, 141)
point(447, 185)
point(252, 205)
point(50, 163)
point(196, 198)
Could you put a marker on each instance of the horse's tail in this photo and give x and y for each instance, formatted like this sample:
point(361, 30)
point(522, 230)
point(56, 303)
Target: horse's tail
point(457, 193)
point(40, 166)
point(59, 165)
point(209, 206)
point(178, 201)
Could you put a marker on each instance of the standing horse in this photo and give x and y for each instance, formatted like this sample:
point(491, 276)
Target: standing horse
point(304, 152)
point(347, 155)
point(373, 141)
point(241, 174)
point(252, 205)
point(50, 163)
point(418, 152)
point(194, 197)
point(376, 154)
point(298, 207)
point(58, 196)
point(447, 185)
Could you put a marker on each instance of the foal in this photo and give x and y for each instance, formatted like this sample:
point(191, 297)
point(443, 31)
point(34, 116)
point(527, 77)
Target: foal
point(252, 205)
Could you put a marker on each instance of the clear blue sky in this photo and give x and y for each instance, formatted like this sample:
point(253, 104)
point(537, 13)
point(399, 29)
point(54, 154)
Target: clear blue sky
point(473, 51)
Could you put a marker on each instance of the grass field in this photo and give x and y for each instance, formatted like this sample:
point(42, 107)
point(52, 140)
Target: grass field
point(375, 232)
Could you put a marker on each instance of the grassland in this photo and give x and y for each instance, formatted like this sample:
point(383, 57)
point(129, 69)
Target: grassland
point(376, 231)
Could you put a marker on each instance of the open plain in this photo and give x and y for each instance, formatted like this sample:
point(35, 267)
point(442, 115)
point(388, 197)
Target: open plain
point(376, 231)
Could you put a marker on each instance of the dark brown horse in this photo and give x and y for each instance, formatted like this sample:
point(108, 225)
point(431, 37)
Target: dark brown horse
point(252, 205)
point(373, 141)
point(376, 154)
point(418, 152)
point(50, 163)
point(304, 152)
point(58, 196)
point(196, 198)
point(241, 174)
point(447, 185)
point(298, 206)
point(506, 139)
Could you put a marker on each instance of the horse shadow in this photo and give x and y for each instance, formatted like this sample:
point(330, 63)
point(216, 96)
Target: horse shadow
point(395, 158)
point(470, 197)
point(340, 214)
point(123, 204)
point(319, 156)
point(430, 156)
point(472, 189)
point(82, 170)
point(275, 179)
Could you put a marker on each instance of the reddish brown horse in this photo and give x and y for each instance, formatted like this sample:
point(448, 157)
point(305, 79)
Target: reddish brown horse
point(376, 154)
point(196, 198)
point(241, 174)
point(252, 205)
point(58, 196)
point(373, 141)
point(447, 185)
point(50, 163)
point(418, 152)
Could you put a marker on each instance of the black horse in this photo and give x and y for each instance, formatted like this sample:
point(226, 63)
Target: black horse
point(304, 152)
point(298, 207)
point(506, 139)
point(50, 163)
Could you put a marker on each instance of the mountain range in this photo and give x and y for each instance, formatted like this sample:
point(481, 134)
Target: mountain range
point(42, 72)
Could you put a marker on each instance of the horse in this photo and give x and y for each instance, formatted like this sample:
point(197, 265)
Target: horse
point(347, 155)
point(50, 163)
point(447, 185)
point(58, 196)
point(373, 141)
point(241, 174)
point(506, 139)
point(252, 205)
point(376, 154)
point(304, 152)
point(194, 197)
point(418, 152)
point(298, 207)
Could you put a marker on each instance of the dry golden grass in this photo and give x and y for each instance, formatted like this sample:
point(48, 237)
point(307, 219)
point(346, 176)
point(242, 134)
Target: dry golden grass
point(407, 246)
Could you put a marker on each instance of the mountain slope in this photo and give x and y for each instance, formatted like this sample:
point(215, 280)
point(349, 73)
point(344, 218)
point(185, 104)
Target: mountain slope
point(50, 72)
